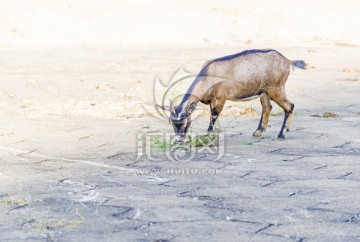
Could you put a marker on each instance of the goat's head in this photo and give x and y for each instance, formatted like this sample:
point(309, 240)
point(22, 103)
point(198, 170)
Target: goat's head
point(180, 119)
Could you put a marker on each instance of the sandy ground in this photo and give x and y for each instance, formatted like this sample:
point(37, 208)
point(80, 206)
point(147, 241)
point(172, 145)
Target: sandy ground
point(76, 75)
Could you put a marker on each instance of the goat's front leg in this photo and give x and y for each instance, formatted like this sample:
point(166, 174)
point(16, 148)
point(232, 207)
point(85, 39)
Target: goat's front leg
point(266, 109)
point(215, 110)
point(214, 115)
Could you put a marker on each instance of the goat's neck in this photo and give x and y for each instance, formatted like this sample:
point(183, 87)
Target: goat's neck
point(193, 95)
point(186, 103)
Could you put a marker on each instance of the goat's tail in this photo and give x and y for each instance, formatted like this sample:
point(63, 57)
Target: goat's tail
point(299, 64)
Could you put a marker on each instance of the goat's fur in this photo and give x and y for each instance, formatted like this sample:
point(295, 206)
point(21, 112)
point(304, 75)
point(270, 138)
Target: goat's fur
point(239, 77)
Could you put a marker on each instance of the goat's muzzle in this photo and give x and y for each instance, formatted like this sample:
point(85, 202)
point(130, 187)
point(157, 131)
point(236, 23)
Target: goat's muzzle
point(179, 138)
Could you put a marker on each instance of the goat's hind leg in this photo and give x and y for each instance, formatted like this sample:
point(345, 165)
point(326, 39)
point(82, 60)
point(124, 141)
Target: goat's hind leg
point(266, 109)
point(287, 121)
point(280, 98)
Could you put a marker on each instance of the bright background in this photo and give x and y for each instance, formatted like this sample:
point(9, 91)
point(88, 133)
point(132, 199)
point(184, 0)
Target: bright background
point(105, 22)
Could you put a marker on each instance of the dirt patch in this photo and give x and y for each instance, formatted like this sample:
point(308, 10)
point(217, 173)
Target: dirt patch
point(235, 111)
point(350, 69)
point(326, 115)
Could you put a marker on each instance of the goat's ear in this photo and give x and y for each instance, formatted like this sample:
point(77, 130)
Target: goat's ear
point(191, 108)
point(165, 108)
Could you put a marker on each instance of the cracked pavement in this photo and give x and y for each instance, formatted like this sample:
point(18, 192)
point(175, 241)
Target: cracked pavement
point(69, 177)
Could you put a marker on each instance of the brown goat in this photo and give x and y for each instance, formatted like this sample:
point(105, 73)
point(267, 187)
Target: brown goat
point(239, 77)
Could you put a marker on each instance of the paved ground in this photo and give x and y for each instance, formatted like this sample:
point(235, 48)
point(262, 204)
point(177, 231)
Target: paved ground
point(67, 176)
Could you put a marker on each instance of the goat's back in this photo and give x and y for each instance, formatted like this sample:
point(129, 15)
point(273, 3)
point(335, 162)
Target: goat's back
point(243, 74)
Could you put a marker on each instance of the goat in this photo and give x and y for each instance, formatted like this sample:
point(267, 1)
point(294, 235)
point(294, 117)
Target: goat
point(238, 77)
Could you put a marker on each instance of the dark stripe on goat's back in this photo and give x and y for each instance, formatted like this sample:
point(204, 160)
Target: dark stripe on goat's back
point(245, 52)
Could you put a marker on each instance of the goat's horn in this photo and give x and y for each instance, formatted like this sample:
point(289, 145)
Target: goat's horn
point(171, 106)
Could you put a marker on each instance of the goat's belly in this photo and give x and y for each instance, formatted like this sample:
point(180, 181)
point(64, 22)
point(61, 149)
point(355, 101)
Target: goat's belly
point(243, 99)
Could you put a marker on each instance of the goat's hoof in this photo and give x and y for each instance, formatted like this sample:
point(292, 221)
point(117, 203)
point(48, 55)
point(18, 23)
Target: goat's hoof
point(281, 137)
point(257, 133)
